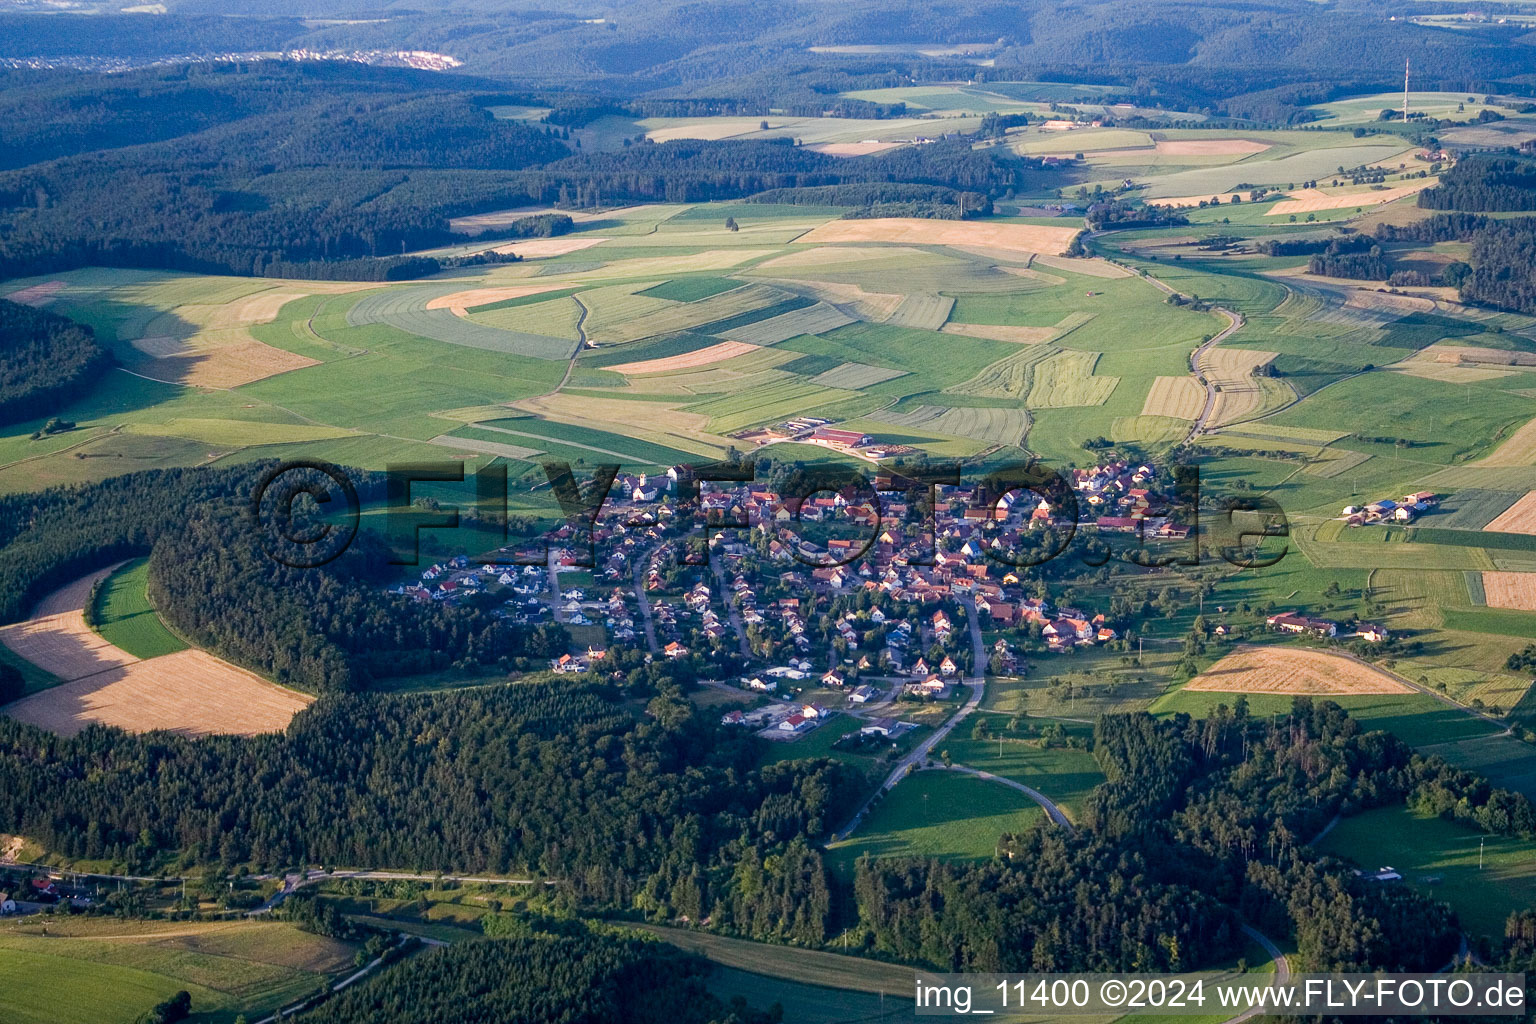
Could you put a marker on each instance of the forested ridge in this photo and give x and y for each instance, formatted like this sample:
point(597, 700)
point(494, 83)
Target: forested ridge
point(553, 778)
point(356, 166)
point(46, 361)
point(1484, 184)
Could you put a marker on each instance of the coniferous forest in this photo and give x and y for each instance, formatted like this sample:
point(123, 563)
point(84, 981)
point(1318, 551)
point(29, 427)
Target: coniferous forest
point(46, 360)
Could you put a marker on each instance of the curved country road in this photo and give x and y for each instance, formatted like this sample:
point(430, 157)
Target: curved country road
point(1054, 812)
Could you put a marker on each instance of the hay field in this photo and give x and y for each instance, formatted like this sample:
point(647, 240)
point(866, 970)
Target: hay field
point(1315, 201)
point(1000, 426)
point(917, 231)
point(1179, 397)
point(462, 302)
point(854, 376)
point(925, 312)
point(190, 692)
point(1516, 590)
point(1009, 377)
point(1210, 147)
point(1240, 395)
point(850, 298)
point(1518, 450)
point(643, 316)
point(210, 344)
point(688, 360)
point(1002, 332)
point(817, 319)
point(1088, 267)
point(1065, 380)
point(665, 423)
point(1295, 671)
point(1518, 518)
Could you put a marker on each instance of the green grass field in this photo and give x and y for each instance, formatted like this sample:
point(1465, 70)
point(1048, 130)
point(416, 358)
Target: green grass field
point(102, 971)
point(1063, 774)
point(124, 617)
point(1422, 848)
point(937, 814)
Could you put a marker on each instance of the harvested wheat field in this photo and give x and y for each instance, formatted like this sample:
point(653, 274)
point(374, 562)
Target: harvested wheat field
point(1518, 518)
point(917, 231)
point(1386, 302)
point(56, 638)
point(189, 692)
point(1293, 670)
point(853, 148)
point(1239, 394)
point(1002, 332)
point(1519, 450)
point(1211, 147)
point(1516, 590)
point(699, 357)
point(220, 360)
point(1311, 200)
point(461, 302)
point(543, 247)
point(1180, 397)
point(37, 294)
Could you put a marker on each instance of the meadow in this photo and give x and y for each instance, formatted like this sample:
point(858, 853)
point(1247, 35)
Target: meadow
point(125, 618)
point(1440, 858)
point(937, 814)
point(104, 971)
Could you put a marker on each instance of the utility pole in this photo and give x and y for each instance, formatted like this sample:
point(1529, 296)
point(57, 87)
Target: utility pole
point(1405, 91)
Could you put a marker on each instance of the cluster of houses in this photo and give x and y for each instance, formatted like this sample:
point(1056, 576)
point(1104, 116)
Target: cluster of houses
point(1305, 625)
point(917, 572)
point(1388, 511)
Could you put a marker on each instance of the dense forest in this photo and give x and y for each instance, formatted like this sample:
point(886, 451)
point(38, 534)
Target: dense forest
point(1226, 56)
point(46, 361)
point(661, 811)
point(1338, 261)
point(582, 978)
point(1483, 184)
point(327, 628)
point(288, 170)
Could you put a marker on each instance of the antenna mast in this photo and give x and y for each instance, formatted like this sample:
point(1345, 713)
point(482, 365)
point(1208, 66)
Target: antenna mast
point(1405, 91)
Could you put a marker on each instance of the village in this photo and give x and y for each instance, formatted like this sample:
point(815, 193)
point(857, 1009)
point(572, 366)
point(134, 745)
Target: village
point(876, 598)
